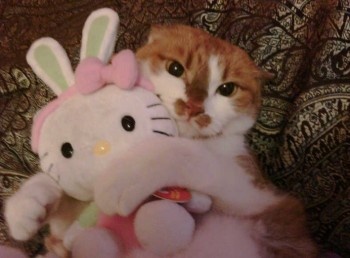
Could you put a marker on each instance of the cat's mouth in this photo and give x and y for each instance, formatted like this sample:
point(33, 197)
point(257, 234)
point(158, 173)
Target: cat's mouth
point(193, 120)
point(202, 120)
point(194, 127)
point(188, 108)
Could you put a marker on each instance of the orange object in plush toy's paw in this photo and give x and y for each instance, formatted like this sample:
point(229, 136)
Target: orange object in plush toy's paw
point(176, 194)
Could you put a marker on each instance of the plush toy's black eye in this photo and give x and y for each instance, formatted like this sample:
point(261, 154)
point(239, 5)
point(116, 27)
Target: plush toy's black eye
point(67, 150)
point(226, 89)
point(176, 69)
point(128, 123)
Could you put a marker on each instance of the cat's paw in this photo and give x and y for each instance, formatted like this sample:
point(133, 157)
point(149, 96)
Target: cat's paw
point(26, 211)
point(24, 216)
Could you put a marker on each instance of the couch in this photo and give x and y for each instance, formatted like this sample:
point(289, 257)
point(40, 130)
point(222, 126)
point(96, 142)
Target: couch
point(302, 136)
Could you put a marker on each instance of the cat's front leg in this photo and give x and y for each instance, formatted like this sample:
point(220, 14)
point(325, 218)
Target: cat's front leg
point(151, 166)
point(164, 162)
point(27, 210)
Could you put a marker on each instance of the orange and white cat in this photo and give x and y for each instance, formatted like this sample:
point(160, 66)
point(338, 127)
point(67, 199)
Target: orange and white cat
point(212, 90)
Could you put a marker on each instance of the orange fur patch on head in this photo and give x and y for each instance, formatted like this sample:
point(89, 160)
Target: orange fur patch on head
point(240, 69)
point(176, 42)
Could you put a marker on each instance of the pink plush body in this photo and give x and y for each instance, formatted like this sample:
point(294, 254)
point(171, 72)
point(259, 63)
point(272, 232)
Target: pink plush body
point(217, 235)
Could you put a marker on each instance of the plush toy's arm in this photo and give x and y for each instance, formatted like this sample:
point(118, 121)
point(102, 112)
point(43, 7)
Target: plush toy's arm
point(27, 210)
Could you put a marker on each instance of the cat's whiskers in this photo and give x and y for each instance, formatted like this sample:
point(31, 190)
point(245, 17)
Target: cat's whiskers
point(51, 174)
point(43, 155)
point(48, 170)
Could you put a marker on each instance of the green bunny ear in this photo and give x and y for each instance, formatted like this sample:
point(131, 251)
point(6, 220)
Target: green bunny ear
point(50, 62)
point(99, 34)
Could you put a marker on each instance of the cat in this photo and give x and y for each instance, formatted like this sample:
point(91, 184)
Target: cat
point(212, 89)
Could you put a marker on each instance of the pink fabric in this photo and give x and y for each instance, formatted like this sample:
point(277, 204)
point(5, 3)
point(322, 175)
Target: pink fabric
point(123, 227)
point(44, 112)
point(91, 74)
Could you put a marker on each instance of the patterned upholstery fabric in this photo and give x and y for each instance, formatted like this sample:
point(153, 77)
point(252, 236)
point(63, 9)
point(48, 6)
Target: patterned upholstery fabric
point(302, 136)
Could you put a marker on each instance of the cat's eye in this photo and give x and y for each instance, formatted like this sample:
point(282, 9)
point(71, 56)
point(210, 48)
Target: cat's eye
point(128, 123)
point(176, 69)
point(227, 89)
point(67, 150)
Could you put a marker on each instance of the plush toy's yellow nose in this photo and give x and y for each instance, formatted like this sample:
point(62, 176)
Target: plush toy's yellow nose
point(101, 148)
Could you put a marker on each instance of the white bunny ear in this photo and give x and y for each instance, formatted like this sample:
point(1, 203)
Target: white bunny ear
point(99, 34)
point(50, 62)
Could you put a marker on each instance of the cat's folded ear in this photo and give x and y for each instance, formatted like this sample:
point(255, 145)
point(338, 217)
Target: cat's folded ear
point(155, 33)
point(263, 76)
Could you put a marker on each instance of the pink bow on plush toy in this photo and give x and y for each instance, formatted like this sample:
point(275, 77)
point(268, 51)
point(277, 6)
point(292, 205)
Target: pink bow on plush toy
point(92, 74)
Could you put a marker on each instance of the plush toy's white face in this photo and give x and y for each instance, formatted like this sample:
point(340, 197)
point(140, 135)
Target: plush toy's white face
point(86, 134)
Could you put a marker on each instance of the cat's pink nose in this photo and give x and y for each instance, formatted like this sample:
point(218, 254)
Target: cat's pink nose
point(194, 108)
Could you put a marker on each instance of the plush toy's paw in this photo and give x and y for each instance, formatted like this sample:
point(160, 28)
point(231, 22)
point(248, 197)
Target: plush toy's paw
point(26, 211)
point(95, 242)
point(164, 227)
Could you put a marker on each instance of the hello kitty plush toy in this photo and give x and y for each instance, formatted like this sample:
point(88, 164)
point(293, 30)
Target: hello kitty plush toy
point(102, 111)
